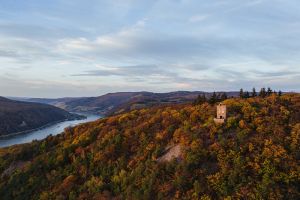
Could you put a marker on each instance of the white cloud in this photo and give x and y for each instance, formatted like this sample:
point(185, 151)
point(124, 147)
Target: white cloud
point(161, 45)
point(75, 44)
point(198, 18)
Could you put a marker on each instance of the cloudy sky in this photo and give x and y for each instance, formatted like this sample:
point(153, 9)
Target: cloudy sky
point(90, 47)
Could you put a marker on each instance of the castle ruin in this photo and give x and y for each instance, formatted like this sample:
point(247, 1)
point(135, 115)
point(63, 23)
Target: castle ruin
point(221, 114)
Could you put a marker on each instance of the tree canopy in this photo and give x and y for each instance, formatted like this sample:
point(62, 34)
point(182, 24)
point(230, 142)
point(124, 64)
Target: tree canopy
point(254, 155)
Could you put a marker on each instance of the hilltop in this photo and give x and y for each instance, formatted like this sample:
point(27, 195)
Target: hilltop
point(17, 116)
point(254, 155)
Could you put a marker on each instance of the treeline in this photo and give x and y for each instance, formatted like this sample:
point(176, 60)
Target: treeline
point(214, 98)
point(221, 96)
point(262, 93)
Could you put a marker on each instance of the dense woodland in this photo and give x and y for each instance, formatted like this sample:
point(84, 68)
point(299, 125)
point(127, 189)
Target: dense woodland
point(254, 155)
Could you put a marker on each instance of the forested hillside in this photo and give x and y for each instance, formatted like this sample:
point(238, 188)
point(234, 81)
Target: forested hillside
point(17, 116)
point(254, 155)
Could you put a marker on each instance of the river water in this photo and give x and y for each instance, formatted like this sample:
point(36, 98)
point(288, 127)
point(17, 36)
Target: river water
point(44, 132)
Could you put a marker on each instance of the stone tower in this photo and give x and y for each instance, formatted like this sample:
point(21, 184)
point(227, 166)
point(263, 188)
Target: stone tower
point(221, 113)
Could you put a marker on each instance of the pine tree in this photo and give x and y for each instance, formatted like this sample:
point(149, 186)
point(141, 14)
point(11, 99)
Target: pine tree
point(218, 97)
point(263, 92)
point(254, 94)
point(241, 93)
point(223, 96)
point(246, 94)
point(213, 98)
point(200, 100)
point(269, 92)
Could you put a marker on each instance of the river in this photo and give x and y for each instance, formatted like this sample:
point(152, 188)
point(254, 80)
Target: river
point(44, 132)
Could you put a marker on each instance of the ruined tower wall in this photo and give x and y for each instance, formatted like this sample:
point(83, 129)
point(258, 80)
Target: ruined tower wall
point(221, 111)
point(221, 114)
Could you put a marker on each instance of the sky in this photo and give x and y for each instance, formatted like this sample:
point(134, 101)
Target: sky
point(59, 48)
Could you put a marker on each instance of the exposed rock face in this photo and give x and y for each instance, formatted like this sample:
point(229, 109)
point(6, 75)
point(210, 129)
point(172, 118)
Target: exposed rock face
point(173, 152)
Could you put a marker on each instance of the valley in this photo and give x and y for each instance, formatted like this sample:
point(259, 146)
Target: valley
point(115, 103)
point(43, 132)
point(19, 117)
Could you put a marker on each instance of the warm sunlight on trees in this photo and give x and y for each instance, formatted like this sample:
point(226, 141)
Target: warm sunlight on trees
point(254, 155)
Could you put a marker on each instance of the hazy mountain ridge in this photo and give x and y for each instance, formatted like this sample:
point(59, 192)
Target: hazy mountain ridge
point(17, 116)
point(113, 103)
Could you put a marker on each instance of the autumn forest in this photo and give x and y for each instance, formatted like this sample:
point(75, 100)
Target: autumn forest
point(166, 152)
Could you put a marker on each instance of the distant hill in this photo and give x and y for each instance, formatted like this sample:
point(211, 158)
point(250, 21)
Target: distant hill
point(114, 103)
point(165, 152)
point(17, 116)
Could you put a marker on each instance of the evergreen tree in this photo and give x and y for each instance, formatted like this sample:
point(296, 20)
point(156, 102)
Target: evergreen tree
point(200, 99)
point(223, 96)
point(279, 93)
point(254, 94)
point(218, 97)
point(269, 92)
point(213, 98)
point(263, 92)
point(241, 93)
point(246, 94)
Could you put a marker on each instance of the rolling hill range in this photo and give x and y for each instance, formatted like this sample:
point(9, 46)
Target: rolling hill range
point(114, 103)
point(166, 152)
point(17, 116)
